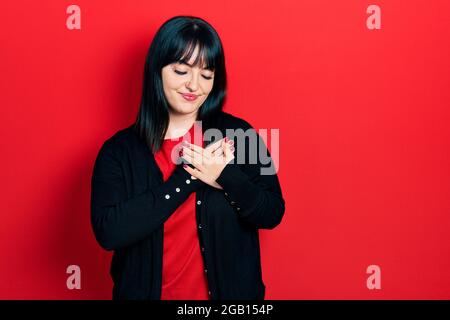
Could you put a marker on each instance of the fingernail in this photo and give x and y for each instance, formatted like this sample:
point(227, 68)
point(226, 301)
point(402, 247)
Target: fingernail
point(181, 153)
point(184, 165)
point(232, 148)
point(226, 139)
point(231, 142)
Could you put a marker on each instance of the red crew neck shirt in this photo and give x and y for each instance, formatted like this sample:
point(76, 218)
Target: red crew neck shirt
point(183, 274)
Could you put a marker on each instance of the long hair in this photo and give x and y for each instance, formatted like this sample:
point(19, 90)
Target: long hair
point(176, 41)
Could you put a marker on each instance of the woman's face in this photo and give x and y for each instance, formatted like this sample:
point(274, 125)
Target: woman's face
point(186, 87)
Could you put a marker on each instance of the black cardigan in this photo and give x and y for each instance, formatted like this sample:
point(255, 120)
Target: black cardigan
point(130, 203)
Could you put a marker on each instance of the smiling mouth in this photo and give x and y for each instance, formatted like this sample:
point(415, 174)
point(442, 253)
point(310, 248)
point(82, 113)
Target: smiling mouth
point(189, 97)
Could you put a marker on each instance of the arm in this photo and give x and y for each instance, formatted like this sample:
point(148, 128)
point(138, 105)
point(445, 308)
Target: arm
point(257, 198)
point(119, 221)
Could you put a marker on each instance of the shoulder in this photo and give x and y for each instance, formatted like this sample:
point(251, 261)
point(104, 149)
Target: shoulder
point(230, 121)
point(122, 135)
point(120, 139)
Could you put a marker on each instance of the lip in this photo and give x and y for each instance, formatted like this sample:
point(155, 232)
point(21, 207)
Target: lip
point(189, 96)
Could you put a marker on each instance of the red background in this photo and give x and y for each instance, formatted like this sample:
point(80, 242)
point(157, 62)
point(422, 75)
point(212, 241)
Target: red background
point(364, 137)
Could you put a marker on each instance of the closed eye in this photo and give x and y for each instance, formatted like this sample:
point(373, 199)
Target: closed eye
point(179, 72)
point(183, 73)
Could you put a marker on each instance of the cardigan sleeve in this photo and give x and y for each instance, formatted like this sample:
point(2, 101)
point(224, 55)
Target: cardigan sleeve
point(256, 197)
point(118, 220)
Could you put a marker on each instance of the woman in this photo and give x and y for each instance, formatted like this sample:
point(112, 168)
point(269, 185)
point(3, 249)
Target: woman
point(176, 194)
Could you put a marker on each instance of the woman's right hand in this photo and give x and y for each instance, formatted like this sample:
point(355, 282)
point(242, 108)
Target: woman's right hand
point(208, 162)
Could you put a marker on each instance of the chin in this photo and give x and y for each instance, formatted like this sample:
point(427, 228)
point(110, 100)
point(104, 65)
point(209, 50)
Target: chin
point(186, 109)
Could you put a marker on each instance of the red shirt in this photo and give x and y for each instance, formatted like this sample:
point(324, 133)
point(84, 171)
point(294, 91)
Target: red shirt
point(183, 275)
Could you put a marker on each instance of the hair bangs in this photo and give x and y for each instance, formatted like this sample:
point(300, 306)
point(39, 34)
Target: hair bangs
point(185, 48)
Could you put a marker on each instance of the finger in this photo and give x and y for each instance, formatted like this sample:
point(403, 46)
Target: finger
point(193, 171)
point(194, 161)
point(217, 153)
point(193, 147)
point(192, 153)
point(219, 159)
point(216, 148)
point(215, 145)
point(196, 149)
point(228, 151)
point(227, 143)
point(206, 153)
point(219, 156)
point(202, 159)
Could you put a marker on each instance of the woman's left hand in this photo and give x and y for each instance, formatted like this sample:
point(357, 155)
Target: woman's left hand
point(208, 162)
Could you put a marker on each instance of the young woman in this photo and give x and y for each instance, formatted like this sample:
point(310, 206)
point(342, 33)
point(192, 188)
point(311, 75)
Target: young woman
point(179, 195)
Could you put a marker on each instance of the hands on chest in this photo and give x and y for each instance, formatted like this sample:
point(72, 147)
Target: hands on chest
point(208, 162)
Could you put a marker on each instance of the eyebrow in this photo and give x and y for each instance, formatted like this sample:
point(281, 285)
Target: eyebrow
point(190, 65)
point(184, 62)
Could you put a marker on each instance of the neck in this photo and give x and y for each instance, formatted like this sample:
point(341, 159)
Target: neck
point(179, 124)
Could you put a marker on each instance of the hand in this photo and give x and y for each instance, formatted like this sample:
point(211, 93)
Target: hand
point(208, 162)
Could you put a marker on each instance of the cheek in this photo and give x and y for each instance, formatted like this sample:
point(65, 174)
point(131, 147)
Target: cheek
point(207, 87)
point(171, 83)
point(170, 80)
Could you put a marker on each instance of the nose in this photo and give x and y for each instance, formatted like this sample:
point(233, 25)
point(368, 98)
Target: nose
point(192, 84)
